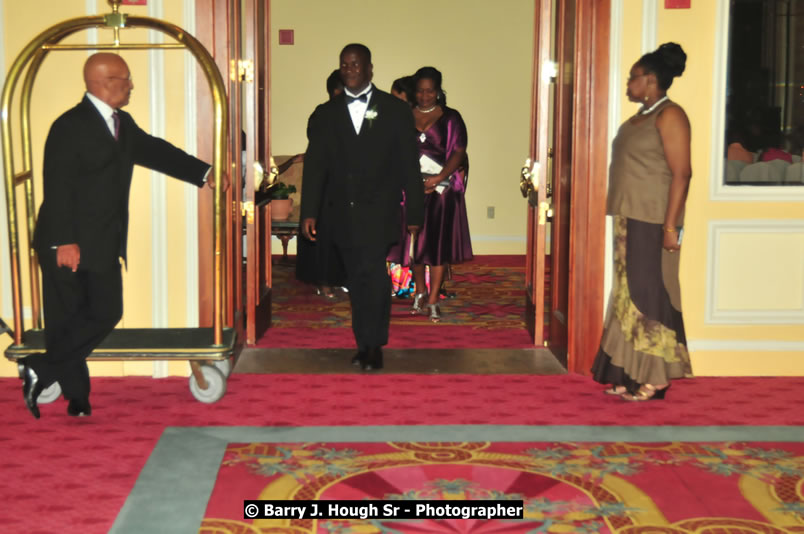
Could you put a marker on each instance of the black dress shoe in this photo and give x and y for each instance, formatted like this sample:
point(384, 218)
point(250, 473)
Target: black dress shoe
point(359, 359)
point(78, 408)
point(374, 360)
point(31, 388)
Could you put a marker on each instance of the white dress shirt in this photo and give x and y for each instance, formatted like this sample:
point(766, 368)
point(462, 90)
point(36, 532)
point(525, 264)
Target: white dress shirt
point(357, 109)
point(105, 110)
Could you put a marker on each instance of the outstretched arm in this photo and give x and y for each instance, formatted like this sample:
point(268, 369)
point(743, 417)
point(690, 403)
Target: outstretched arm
point(285, 165)
point(161, 156)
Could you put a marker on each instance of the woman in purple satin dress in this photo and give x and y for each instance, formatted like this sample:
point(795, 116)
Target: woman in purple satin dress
point(444, 236)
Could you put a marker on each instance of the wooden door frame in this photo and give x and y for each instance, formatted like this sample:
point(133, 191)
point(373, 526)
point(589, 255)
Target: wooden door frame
point(220, 28)
point(538, 152)
point(562, 178)
point(589, 177)
point(256, 124)
point(589, 180)
point(589, 184)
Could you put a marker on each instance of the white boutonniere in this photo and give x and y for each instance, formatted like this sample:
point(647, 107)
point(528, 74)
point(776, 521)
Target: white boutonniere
point(370, 115)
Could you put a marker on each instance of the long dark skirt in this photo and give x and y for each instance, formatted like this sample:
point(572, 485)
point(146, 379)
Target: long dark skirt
point(643, 336)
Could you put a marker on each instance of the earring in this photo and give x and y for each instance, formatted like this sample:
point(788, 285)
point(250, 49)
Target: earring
point(646, 98)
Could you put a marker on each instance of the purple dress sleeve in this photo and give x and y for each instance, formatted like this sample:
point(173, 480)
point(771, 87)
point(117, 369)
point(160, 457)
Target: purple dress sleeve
point(456, 139)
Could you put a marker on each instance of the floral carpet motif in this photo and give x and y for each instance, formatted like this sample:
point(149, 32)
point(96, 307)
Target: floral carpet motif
point(489, 299)
point(623, 488)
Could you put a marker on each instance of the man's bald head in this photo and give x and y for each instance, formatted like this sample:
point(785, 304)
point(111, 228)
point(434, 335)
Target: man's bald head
point(107, 77)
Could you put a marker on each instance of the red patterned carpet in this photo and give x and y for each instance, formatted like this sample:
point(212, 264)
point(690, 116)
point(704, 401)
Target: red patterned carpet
point(54, 467)
point(487, 312)
point(629, 488)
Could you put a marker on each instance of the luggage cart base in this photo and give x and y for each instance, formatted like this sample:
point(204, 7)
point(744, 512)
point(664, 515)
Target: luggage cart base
point(210, 364)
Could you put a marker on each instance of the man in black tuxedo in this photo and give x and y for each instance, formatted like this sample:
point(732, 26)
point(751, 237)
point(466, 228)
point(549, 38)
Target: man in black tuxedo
point(82, 228)
point(361, 156)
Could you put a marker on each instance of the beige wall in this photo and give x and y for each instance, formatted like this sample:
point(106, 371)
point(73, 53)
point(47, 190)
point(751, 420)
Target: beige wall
point(160, 222)
point(743, 256)
point(742, 262)
point(484, 53)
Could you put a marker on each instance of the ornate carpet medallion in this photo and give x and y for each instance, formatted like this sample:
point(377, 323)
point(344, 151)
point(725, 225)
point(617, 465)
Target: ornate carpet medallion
point(624, 488)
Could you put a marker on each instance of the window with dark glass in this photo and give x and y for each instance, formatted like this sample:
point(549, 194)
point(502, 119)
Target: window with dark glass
point(765, 93)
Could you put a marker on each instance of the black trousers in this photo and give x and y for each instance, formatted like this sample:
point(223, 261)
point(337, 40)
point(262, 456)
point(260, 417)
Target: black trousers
point(369, 292)
point(81, 308)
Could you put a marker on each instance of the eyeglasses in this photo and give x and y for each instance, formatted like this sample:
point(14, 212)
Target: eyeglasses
point(125, 79)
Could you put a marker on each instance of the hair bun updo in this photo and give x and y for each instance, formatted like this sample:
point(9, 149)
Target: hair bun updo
point(666, 62)
point(674, 57)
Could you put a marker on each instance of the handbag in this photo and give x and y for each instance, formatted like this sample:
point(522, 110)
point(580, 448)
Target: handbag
point(429, 167)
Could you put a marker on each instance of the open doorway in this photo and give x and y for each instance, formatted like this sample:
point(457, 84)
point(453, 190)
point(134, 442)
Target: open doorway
point(487, 56)
point(487, 79)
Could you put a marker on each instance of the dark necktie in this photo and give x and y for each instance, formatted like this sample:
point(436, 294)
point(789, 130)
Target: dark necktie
point(116, 120)
point(361, 98)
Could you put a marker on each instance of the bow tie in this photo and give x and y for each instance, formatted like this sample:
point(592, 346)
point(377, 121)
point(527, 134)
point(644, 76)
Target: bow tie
point(361, 98)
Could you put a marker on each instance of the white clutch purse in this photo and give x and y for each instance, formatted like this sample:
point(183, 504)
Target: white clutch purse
point(430, 167)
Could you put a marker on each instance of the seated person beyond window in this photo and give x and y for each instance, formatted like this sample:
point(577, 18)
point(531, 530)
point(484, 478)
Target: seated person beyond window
point(772, 153)
point(737, 152)
point(737, 142)
point(772, 148)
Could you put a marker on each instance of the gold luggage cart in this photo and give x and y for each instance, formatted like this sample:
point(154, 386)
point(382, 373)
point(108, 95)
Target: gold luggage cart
point(209, 350)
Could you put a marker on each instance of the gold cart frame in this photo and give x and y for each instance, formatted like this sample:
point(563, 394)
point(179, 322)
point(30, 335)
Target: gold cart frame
point(32, 57)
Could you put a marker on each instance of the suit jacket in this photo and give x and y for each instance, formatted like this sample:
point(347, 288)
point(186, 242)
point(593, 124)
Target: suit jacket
point(355, 182)
point(87, 179)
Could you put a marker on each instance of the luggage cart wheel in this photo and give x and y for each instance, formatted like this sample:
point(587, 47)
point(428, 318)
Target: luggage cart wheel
point(224, 366)
point(49, 394)
point(216, 385)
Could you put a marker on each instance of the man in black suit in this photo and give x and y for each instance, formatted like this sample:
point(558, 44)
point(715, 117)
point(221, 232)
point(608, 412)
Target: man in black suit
point(82, 228)
point(361, 156)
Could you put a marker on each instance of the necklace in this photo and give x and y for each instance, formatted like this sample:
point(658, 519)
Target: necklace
point(654, 106)
point(428, 110)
